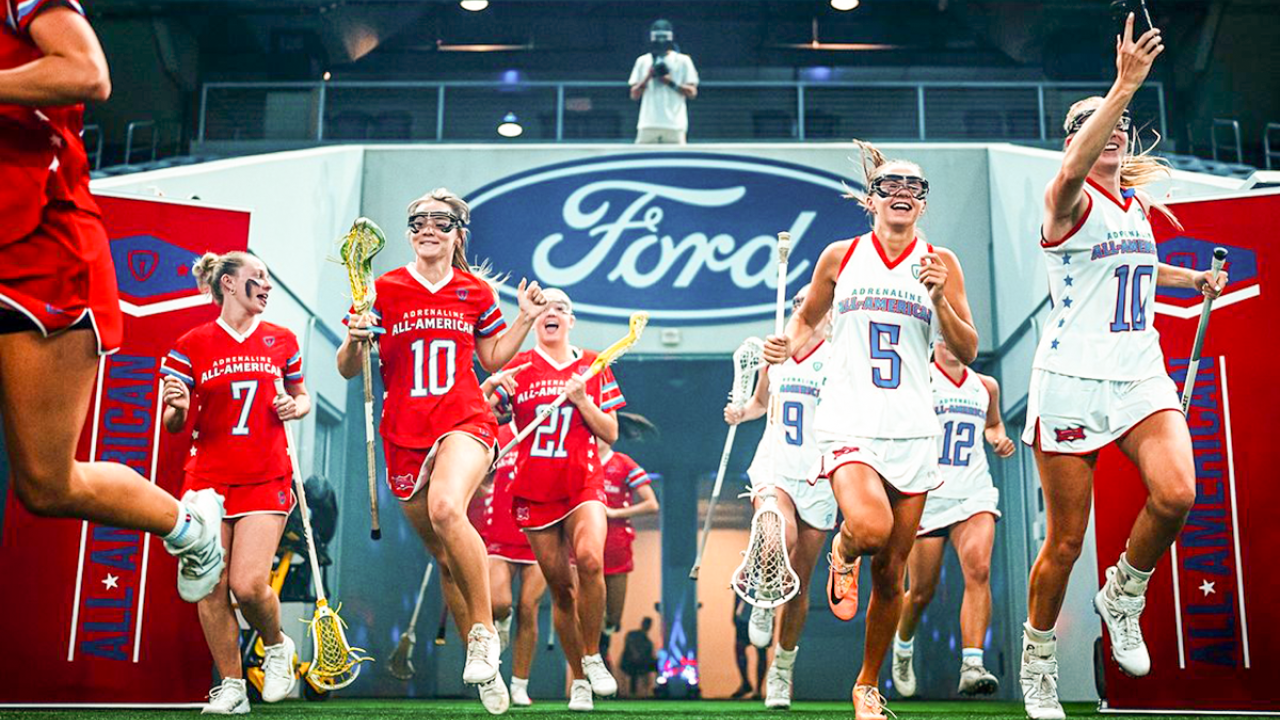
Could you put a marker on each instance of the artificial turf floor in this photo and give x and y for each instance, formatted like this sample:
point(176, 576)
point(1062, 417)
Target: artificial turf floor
point(547, 709)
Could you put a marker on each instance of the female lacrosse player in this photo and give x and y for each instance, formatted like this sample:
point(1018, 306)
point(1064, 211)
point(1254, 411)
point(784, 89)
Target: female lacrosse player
point(229, 367)
point(784, 458)
point(509, 555)
point(1099, 374)
point(962, 510)
point(58, 305)
point(558, 490)
point(624, 481)
point(889, 293)
point(435, 314)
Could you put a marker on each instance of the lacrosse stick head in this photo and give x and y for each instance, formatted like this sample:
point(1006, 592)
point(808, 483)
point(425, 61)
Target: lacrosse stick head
point(400, 665)
point(747, 359)
point(634, 330)
point(765, 579)
point(336, 664)
point(364, 240)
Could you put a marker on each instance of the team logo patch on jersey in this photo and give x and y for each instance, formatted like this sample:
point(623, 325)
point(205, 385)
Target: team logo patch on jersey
point(402, 483)
point(915, 271)
point(522, 513)
point(269, 341)
point(280, 498)
point(1069, 434)
point(462, 294)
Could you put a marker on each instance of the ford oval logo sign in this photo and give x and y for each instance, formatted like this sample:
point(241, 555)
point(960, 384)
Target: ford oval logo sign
point(689, 237)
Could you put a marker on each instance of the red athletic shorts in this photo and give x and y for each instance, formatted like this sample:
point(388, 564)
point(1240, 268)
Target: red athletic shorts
point(534, 515)
point(522, 554)
point(408, 469)
point(61, 274)
point(273, 497)
point(617, 552)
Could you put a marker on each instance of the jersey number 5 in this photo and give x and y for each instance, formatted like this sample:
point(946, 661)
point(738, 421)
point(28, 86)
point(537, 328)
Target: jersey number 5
point(427, 373)
point(883, 334)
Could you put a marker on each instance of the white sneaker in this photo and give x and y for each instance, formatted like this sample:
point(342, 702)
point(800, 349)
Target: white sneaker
point(580, 699)
point(200, 562)
point(482, 656)
point(1039, 678)
point(760, 628)
point(503, 627)
point(520, 693)
point(494, 696)
point(777, 687)
point(1120, 614)
point(977, 680)
point(602, 683)
point(904, 675)
point(229, 698)
point(279, 679)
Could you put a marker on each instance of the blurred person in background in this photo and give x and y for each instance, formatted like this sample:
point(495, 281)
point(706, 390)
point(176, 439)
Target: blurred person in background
point(663, 80)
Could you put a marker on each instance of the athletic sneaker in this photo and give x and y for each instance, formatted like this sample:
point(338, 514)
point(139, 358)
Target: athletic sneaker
point(777, 687)
point(868, 703)
point(482, 656)
point(602, 682)
point(494, 696)
point(842, 583)
point(200, 560)
point(1120, 613)
point(503, 627)
point(277, 667)
point(904, 674)
point(1039, 678)
point(229, 698)
point(520, 692)
point(976, 679)
point(760, 629)
point(580, 699)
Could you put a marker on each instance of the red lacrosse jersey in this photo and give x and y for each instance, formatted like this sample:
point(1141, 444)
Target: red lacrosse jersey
point(426, 354)
point(42, 156)
point(500, 524)
point(558, 458)
point(238, 437)
point(621, 476)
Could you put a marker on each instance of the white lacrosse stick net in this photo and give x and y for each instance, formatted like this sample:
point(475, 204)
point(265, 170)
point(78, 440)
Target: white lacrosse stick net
point(765, 579)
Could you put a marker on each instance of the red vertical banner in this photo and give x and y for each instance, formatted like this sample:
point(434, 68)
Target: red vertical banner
point(1211, 606)
point(94, 609)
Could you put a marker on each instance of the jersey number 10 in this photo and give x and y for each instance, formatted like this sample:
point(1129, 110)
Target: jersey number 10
point(428, 376)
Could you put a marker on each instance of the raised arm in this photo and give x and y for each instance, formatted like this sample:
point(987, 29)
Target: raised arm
point(496, 351)
point(994, 431)
point(73, 69)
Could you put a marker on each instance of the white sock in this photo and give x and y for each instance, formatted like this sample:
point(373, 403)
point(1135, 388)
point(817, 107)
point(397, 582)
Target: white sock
point(182, 533)
point(1130, 580)
point(904, 647)
point(519, 682)
point(971, 656)
point(1044, 641)
point(785, 658)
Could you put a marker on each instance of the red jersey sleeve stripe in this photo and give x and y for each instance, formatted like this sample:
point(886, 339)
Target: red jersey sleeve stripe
point(186, 379)
point(493, 328)
point(637, 478)
point(28, 10)
point(614, 403)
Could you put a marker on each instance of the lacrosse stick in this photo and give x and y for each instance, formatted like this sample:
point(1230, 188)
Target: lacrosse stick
point(747, 359)
point(1193, 365)
point(603, 360)
point(361, 243)
point(335, 664)
point(765, 577)
point(444, 625)
point(401, 662)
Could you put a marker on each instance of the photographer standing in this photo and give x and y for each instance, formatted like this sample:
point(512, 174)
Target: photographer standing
point(662, 80)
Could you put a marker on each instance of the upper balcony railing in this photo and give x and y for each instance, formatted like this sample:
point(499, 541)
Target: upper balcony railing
point(603, 111)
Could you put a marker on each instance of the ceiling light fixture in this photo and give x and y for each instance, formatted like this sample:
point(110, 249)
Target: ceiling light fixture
point(474, 5)
point(510, 126)
point(843, 5)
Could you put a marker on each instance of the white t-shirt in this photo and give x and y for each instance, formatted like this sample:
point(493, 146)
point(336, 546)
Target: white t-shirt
point(663, 106)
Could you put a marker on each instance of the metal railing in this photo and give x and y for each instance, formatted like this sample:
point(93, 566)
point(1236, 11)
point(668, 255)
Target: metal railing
point(92, 137)
point(1267, 152)
point(1233, 139)
point(603, 111)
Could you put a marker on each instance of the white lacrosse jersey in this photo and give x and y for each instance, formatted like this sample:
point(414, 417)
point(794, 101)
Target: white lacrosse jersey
point(962, 413)
point(882, 333)
point(1102, 285)
point(788, 449)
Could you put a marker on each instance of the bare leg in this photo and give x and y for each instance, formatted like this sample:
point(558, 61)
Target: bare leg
point(218, 619)
point(1067, 482)
point(868, 517)
point(808, 545)
point(586, 528)
point(460, 466)
point(257, 537)
point(615, 595)
point(1161, 448)
point(500, 588)
point(45, 388)
point(887, 568)
point(549, 546)
point(415, 510)
point(924, 564)
point(973, 539)
point(532, 587)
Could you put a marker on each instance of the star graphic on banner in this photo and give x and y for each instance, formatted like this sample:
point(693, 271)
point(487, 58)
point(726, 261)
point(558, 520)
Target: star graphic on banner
point(110, 581)
point(1206, 587)
point(1066, 259)
point(1068, 280)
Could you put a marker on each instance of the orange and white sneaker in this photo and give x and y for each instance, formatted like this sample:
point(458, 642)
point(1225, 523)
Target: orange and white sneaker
point(842, 583)
point(868, 703)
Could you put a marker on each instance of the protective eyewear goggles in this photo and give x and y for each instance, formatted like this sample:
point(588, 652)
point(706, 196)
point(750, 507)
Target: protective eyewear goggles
point(1123, 124)
point(441, 222)
point(890, 185)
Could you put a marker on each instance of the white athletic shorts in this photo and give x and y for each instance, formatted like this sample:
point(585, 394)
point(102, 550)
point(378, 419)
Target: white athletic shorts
point(940, 512)
point(1069, 415)
point(814, 501)
point(910, 465)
